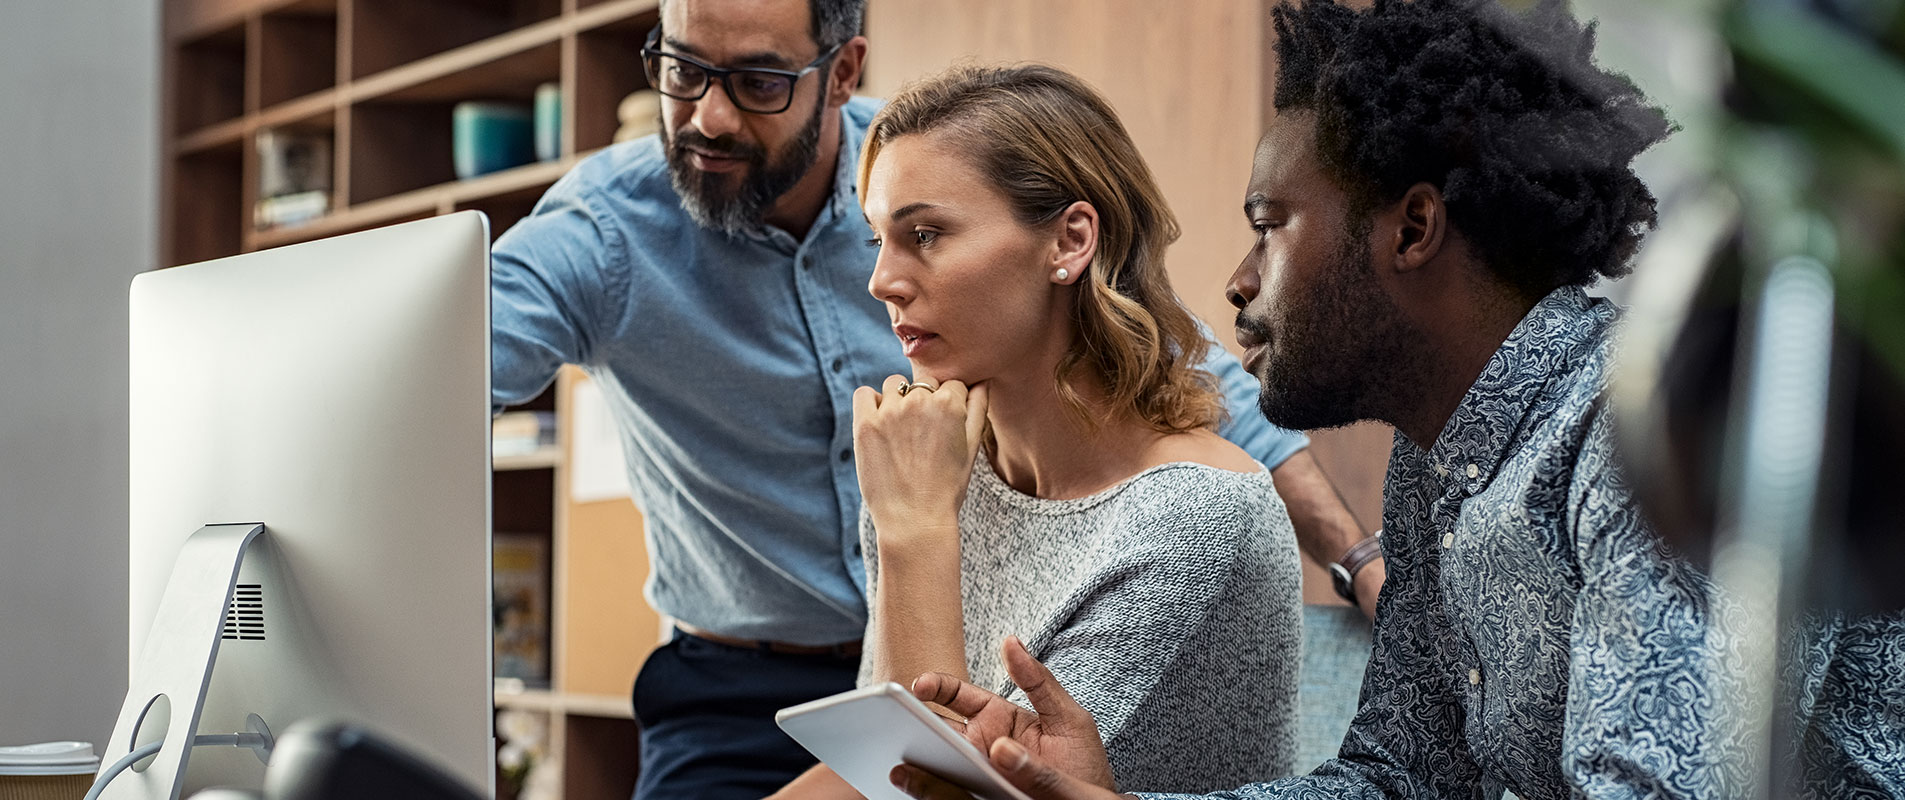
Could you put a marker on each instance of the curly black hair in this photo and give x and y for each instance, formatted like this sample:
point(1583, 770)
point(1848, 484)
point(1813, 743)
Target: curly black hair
point(1505, 113)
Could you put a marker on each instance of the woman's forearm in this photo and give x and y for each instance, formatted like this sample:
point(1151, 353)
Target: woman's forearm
point(920, 620)
point(818, 783)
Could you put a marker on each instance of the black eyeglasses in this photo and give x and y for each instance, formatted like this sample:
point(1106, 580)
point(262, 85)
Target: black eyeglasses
point(755, 90)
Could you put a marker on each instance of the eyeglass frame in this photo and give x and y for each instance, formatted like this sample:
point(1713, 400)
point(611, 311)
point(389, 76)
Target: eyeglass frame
point(651, 50)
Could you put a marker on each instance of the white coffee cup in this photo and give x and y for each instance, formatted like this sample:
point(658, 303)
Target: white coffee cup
point(50, 771)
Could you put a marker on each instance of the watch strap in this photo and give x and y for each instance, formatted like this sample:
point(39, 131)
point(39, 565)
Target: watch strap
point(1354, 559)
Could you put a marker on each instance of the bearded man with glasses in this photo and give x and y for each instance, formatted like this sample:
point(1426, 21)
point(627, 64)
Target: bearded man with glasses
point(712, 279)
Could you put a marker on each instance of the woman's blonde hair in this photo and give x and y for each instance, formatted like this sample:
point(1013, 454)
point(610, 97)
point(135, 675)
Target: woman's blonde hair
point(1046, 140)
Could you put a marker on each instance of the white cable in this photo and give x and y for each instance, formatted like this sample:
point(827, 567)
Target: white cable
point(106, 775)
point(247, 739)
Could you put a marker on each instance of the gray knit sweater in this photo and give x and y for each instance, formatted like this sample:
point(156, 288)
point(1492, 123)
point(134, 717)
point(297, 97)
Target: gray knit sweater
point(1169, 605)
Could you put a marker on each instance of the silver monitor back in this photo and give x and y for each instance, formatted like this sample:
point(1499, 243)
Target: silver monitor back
point(337, 392)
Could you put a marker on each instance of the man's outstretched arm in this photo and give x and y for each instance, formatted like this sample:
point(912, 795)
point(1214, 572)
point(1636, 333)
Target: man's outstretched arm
point(1324, 528)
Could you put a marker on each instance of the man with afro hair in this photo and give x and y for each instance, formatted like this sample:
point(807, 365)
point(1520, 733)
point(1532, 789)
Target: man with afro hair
point(1442, 181)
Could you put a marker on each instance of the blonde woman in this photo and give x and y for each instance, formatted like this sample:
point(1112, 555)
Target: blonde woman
point(1051, 470)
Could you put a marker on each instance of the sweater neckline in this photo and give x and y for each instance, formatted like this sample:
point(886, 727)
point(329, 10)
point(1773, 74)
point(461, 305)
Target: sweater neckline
point(989, 481)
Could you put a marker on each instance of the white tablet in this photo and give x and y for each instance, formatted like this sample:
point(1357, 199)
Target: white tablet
point(863, 734)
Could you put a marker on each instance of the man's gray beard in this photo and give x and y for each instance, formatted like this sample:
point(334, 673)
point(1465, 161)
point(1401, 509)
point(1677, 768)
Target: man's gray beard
point(701, 193)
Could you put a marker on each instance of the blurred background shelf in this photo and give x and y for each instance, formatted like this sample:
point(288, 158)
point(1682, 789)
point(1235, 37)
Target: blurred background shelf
point(509, 695)
point(379, 79)
point(546, 458)
point(498, 194)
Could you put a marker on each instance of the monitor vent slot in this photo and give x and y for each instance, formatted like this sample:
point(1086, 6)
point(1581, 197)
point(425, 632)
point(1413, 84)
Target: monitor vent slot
point(245, 619)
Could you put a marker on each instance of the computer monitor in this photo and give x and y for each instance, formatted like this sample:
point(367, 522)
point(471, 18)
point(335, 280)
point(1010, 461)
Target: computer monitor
point(336, 392)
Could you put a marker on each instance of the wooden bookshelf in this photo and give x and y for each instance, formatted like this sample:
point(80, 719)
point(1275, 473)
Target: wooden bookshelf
point(379, 79)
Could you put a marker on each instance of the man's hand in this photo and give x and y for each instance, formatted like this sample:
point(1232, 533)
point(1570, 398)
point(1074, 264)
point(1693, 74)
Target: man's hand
point(1054, 754)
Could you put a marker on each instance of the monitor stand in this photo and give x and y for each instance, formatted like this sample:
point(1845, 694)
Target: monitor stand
point(168, 682)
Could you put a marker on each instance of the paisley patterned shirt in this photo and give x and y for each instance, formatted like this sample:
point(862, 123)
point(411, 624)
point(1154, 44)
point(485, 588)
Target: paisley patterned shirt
point(1846, 680)
point(1532, 635)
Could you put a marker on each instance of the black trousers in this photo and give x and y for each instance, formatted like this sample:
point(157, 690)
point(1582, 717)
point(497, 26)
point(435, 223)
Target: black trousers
point(707, 716)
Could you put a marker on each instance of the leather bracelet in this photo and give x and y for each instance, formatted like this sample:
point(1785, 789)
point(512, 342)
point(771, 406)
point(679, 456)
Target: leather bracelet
point(1343, 572)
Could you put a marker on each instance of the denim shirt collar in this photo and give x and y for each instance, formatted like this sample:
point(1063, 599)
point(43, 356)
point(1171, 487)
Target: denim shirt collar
point(843, 197)
point(1541, 351)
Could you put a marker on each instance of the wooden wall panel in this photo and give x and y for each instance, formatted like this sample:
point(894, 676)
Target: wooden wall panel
point(610, 628)
point(1186, 79)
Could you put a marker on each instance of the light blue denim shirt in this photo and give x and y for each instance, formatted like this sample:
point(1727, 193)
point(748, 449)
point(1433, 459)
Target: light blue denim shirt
point(729, 363)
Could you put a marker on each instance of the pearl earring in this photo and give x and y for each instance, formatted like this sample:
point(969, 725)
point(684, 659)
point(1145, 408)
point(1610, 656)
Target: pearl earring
point(1062, 274)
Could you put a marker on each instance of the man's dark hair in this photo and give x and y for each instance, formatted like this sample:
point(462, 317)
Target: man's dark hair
point(832, 22)
point(835, 21)
point(1506, 114)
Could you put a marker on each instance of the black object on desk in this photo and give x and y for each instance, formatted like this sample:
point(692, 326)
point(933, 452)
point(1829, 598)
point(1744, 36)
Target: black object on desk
point(341, 761)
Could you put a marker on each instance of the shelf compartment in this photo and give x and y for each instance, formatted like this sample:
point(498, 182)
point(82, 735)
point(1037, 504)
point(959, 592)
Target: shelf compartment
point(401, 141)
point(417, 204)
point(520, 501)
point(542, 458)
point(511, 66)
point(297, 52)
point(510, 426)
point(207, 202)
point(398, 148)
point(507, 789)
point(319, 122)
point(403, 148)
point(388, 34)
point(608, 68)
point(505, 209)
point(599, 758)
point(208, 85)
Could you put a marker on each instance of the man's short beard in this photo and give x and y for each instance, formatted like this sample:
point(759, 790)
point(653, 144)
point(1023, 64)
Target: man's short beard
point(713, 201)
point(1343, 353)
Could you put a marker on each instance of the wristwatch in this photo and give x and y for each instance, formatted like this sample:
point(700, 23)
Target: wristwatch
point(1343, 572)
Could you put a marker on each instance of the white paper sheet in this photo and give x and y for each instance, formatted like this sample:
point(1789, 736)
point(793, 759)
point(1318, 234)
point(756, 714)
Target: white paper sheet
point(597, 470)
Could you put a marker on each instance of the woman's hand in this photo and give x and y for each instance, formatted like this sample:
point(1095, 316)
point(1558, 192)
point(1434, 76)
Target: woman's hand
point(914, 452)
